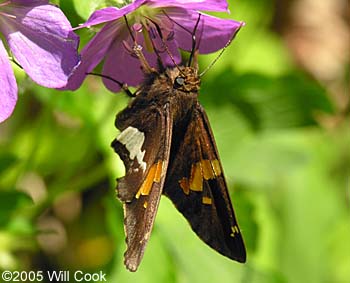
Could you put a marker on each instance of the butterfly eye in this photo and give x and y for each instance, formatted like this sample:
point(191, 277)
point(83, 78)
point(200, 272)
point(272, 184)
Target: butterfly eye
point(179, 81)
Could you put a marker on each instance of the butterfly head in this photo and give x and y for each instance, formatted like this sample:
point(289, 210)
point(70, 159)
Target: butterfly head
point(184, 79)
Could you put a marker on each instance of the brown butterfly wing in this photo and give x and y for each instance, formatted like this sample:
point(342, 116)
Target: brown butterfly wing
point(144, 147)
point(196, 185)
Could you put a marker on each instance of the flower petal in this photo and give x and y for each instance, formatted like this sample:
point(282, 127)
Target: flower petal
point(41, 40)
point(202, 5)
point(93, 53)
point(174, 53)
point(111, 13)
point(121, 66)
point(8, 89)
point(125, 68)
point(212, 33)
point(30, 2)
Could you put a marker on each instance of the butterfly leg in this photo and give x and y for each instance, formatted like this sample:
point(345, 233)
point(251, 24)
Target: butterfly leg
point(137, 49)
point(123, 86)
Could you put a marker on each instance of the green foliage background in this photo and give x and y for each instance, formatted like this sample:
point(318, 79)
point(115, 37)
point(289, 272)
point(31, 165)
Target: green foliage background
point(288, 173)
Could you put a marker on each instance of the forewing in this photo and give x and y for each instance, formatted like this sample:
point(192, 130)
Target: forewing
point(144, 146)
point(197, 186)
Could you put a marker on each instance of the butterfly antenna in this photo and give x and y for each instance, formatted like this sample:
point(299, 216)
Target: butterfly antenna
point(221, 52)
point(138, 52)
point(123, 86)
point(159, 31)
point(192, 33)
point(176, 23)
point(194, 43)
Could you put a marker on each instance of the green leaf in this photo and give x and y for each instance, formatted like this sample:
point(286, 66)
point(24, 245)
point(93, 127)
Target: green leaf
point(6, 161)
point(10, 201)
point(267, 102)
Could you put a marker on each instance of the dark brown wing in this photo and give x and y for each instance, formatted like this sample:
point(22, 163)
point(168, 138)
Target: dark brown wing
point(196, 185)
point(144, 147)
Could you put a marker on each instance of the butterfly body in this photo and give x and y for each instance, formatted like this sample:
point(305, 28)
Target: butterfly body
point(168, 148)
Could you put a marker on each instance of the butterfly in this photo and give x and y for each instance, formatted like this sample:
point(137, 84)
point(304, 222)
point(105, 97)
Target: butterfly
point(168, 148)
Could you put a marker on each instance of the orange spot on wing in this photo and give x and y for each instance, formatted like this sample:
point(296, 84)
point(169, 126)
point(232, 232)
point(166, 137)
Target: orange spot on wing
point(216, 167)
point(206, 200)
point(158, 173)
point(145, 204)
point(205, 169)
point(154, 175)
point(208, 171)
point(196, 180)
point(185, 186)
point(235, 230)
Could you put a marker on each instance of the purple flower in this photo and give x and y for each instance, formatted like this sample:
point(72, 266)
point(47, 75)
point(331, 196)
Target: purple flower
point(176, 19)
point(41, 40)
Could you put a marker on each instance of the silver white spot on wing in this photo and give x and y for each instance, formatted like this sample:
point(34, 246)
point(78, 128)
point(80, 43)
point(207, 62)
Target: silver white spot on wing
point(133, 140)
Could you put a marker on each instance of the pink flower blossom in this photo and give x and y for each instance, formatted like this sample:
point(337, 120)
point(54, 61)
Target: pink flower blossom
point(40, 38)
point(176, 20)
